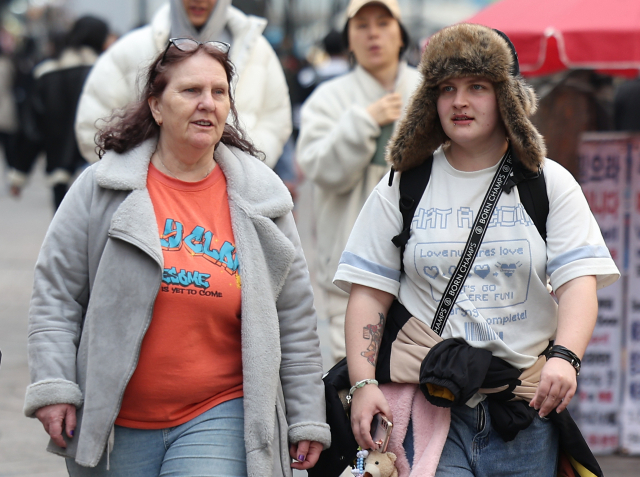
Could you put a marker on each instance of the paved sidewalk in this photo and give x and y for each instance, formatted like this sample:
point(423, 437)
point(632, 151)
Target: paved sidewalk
point(22, 440)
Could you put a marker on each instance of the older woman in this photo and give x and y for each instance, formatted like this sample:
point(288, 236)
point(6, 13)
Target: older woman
point(172, 325)
point(345, 126)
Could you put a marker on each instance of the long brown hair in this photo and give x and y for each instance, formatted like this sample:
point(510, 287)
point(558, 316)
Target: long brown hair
point(134, 124)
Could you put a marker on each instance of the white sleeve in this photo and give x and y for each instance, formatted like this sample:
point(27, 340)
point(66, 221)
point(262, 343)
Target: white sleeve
point(575, 246)
point(336, 142)
point(370, 258)
point(272, 126)
point(111, 85)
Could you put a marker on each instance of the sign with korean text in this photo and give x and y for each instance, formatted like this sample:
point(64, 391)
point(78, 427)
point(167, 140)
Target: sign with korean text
point(603, 166)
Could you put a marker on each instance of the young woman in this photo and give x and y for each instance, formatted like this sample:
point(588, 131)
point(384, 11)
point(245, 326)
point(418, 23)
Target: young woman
point(470, 111)
point(345, 126)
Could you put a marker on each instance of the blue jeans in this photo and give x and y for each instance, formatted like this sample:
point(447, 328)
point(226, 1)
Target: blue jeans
point(211, 444)
point(473, 448)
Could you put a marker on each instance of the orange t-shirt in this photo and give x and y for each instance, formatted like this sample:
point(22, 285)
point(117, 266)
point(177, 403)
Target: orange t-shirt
point(190, 358)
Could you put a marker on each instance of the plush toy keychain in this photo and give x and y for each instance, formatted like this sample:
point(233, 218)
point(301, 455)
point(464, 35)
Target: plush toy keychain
point(375, 464)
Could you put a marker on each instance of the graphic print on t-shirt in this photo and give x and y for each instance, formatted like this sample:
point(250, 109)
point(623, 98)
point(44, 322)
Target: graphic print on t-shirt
point(500, 259)
point(491, 282)
point(499, 282)
point(190, 358)
point(514, 258)
point(196, 237)
point(200, 242)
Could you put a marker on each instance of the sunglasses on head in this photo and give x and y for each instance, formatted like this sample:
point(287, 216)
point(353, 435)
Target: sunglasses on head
point(189, 44)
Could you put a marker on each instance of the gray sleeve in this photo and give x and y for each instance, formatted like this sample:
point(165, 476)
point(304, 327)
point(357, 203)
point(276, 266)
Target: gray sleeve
point(301, 366)
point(58, 302)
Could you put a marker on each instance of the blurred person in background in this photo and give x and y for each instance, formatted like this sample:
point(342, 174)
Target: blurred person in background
point(301, 84)
point(626, 106)
point(335, 63)
point(48, 120)
point(262, 97)
point(8, 109)
point(172, 328)
point(344, 129)
point(25, 57)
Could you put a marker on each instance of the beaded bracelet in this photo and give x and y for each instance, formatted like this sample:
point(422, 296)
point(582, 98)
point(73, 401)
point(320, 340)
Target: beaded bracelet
point(558, 351)
point(358, 385)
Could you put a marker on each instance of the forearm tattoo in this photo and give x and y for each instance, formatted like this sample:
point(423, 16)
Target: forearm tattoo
point(374, 334)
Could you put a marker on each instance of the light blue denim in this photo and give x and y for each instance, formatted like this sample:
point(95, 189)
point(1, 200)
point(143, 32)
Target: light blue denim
point(473, 448)
point(209, 445)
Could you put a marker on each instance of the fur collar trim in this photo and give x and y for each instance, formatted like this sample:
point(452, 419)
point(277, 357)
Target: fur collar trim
point(250, 183)
point(454, 52)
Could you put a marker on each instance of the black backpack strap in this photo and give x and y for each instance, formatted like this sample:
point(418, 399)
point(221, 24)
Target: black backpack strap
point(532, 189)
point(534, 198)
point(413, 183)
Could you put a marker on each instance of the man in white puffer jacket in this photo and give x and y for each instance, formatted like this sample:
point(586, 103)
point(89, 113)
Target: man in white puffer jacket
point(261, 93)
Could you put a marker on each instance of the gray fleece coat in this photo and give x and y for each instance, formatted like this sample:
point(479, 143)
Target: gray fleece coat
point(96, 281)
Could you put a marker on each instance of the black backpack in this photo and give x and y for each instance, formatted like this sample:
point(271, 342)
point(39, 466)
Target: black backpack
point(413, 182)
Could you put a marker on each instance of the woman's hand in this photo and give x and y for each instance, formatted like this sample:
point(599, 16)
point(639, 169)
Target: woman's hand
point(56, 417)
point(577, 315)
point(558, 383)
point(306, 452)
point(367, 402)
point(386, 110)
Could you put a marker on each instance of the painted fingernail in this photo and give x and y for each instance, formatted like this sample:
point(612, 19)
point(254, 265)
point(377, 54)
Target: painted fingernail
point(71, 432)
point(301, 457)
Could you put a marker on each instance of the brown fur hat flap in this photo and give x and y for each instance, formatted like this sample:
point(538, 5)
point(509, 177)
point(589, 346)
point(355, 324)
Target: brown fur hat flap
point(459, 51)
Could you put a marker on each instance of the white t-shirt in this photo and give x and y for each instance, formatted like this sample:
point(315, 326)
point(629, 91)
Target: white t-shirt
point(506, 305)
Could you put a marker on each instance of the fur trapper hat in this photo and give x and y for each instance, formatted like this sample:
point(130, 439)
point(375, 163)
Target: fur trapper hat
point(458, 51)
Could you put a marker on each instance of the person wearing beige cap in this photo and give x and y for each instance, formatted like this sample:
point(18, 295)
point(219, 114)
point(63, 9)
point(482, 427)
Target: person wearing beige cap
point(345, 126)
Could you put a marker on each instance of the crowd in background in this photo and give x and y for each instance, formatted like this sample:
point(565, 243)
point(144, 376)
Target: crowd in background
point(39, 90)
point(25, 58)
point(326, 118)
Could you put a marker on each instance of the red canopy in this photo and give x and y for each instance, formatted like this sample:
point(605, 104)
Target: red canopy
point(553, 35)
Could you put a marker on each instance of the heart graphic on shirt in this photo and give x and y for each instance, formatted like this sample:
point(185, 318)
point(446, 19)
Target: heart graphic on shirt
point(508, 269)
point(482, 270)
point(431, 272)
